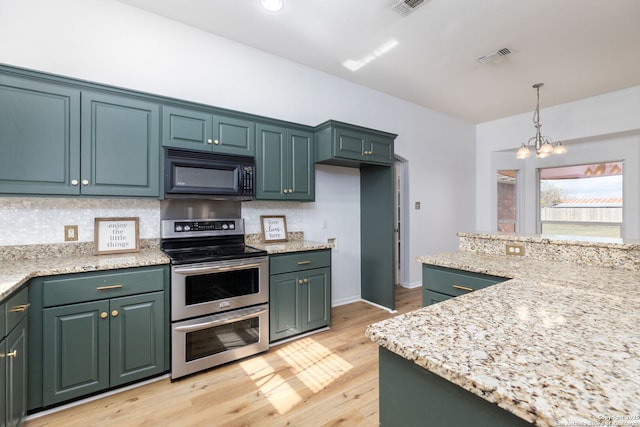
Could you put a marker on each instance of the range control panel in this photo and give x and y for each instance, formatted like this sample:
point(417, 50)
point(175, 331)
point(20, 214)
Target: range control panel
point(179, 228)
point(204, 225)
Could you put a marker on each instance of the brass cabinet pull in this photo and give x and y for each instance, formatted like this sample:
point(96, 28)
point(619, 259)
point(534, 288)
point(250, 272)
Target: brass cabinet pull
point(19, 308)
point(105, 288)
point(114, 313)
point(304, 262)
point(209, 141)
point(463, 288)
point(14, 353)
point(74, 182)
point(306, 280)
point(104, 315)
point(300, 282)
point(216, 142)
point(85, 182)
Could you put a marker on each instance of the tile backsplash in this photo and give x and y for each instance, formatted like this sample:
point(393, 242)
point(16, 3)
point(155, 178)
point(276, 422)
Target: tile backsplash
point(41, 220)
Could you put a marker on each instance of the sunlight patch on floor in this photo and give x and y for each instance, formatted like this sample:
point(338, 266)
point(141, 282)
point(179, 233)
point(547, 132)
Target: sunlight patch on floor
point(272, 385)
point(313, 364)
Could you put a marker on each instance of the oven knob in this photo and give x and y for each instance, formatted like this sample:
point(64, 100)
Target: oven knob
point(232, 225)
point(178, 228)
point(187, 228)
point(225, 226)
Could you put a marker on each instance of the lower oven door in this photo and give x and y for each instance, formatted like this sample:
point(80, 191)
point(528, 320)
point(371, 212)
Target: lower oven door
point(208, 341)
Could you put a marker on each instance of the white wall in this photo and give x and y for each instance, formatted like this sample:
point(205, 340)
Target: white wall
point(600, 128)
point(109, 42)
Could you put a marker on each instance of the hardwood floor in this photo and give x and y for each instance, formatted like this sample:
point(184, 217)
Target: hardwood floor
point(326, 379)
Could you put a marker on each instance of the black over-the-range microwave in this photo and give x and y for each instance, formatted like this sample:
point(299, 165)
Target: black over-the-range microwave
point(198, 174)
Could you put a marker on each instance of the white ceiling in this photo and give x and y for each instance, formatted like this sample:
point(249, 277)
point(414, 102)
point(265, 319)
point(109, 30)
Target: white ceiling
point(577, 48)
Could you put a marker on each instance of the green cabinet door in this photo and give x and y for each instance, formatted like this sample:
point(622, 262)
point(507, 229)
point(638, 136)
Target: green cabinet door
point(316, 298)
point(271, 160)
point(120, 153)
point(233, 136)
point(349, 144)
point(284, 306)
point(301, 169)
point(40, 137)
point(284, 164)
point(3, 380)
point(207, 131)
point(16, 374)
point(76, 349)
point(137, 337)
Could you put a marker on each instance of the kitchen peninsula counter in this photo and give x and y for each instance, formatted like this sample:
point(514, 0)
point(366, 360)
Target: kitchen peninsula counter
point(558, 344)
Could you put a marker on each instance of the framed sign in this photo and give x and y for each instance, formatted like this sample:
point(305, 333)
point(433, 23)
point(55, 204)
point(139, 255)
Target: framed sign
point(116, 235)
point(274, 228)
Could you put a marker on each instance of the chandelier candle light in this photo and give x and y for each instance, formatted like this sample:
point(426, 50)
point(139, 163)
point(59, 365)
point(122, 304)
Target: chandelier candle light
point(543, 146)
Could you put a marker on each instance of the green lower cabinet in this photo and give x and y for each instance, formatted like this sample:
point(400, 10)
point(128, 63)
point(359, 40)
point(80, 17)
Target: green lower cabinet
point(3, 383)
point(16, 374)
point(442, 283)
point(90, 347)
point(300, 300)
point(412, 396)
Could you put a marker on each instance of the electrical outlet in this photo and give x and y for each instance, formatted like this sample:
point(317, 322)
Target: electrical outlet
point(515, 249)
point(70, 233)
point(417, 206)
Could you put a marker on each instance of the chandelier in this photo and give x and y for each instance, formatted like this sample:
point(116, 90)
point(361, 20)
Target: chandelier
point(543, 146)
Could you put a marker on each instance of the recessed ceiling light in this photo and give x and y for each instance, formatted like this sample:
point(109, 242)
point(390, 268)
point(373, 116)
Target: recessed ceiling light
point(272, 5)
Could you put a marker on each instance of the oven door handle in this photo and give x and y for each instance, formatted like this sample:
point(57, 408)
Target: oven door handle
point(204, 325)
point(216, 269)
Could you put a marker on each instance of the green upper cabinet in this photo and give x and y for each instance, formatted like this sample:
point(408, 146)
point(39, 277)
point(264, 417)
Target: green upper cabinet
point(120, 153)
point(39, 136)
point(59, 140)
point(343, 144)
point(284, 163)
point(207, 131)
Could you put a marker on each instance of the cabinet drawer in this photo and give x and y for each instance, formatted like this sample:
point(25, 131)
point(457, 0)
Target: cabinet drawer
point(430, 297)
point(299, 261)
point(17, 307)
point(455, 282)
point(89, 287)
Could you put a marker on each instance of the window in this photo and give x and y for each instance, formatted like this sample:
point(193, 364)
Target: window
point(582, 200)
point(507, 200)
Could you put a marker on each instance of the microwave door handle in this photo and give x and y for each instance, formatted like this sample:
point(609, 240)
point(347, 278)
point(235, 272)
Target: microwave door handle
point(207, 269)
point(225, 320)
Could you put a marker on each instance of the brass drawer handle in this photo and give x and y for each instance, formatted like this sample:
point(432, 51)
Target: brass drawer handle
point(14, 353)
point(304, 262)
point(105, 288)
point(19, 308)
point(463, 288)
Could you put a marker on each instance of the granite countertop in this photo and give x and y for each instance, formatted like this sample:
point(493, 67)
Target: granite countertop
point(290, 246)
point(556, 345)
point(14, 273)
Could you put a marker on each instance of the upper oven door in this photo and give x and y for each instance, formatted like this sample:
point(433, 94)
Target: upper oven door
point(212, 287)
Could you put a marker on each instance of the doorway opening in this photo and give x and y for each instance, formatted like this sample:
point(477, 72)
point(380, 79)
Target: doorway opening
point(401, 222)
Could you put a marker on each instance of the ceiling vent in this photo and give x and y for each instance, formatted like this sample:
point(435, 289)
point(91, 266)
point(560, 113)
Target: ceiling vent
point(405, 7)
point(494, 55)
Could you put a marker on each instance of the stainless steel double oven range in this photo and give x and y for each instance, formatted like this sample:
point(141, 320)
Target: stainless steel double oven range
point(219, 289)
